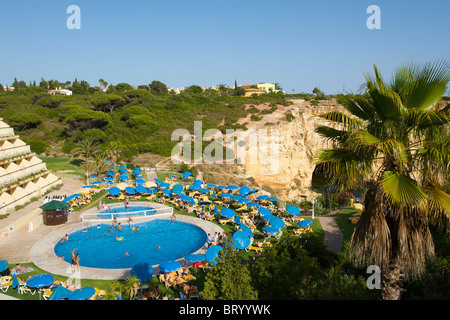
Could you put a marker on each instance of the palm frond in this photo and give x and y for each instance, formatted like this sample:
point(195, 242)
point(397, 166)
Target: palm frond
point(331, 134)
point(400, 189)
point(342, 119)
point(422, 85)
point(356, 105)
point(344, 167)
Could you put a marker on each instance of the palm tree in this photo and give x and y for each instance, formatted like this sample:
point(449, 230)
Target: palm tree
point(113, 150)
point(116, 287)
point(131, 286)
point(394, 143)
point(86, 148)
point(89, 167)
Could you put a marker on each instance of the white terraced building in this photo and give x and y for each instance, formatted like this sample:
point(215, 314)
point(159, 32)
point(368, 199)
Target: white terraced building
point(22, 174)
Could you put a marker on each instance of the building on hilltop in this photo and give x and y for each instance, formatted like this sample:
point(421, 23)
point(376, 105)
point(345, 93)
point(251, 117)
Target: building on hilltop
point(22, 174)
point(61, 91)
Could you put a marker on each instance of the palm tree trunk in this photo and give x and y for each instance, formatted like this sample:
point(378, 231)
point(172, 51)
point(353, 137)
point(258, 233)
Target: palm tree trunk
point(371, 241)
point(395, 238)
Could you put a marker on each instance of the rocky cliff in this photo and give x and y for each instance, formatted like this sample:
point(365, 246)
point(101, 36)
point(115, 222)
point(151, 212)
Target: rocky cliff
point(292, 160)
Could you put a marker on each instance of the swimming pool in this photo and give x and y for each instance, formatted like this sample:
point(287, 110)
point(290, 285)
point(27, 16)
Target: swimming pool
point(98, 247)
point(122, 211)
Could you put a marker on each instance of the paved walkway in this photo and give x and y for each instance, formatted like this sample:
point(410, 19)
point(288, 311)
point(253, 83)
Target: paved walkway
point(333, 235)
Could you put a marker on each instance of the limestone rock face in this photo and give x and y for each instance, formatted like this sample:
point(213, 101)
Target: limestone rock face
point(288, 169)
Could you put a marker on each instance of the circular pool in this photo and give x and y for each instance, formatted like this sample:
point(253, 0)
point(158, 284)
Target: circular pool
point(154, 242)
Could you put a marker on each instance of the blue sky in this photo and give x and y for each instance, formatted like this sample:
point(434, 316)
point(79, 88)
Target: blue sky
point(297, 43)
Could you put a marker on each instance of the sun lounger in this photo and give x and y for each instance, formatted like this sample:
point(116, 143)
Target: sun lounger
point(224, 221)
point(5, 286)
point(254, 248)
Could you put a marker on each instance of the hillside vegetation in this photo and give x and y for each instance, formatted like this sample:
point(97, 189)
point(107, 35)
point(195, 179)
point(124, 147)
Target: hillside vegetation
point(135, 120)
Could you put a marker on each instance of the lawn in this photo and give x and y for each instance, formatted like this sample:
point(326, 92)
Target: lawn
point(55, 164)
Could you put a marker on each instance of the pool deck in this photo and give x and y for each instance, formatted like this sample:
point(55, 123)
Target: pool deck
point(42, 251)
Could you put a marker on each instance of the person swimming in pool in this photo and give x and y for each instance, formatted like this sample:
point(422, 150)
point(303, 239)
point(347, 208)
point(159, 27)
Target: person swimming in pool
point(65, 238)
point(127, 254)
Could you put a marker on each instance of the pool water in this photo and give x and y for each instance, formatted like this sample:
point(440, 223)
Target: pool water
point(123, 211)
point(98, 247)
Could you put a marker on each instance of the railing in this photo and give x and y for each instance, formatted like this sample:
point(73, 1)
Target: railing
point(105, 216)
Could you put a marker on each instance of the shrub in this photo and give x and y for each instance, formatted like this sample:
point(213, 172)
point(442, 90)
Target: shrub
point(335, 285)
point(24, 120)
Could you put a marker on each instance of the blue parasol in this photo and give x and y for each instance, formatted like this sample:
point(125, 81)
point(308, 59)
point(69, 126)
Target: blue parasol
point(186, 198)
point(141, 189)
point(169, 266)
point(304, 223)
point(269, 229)
point(152, 190)
point(211, 185)
point(97, 182)
point(253, 204)
point(167, 192)
point(15, 282)
point(41, 280)
point(246, 229)
point(82, 294)
point(60, 293)
point(293, 210)
point(177, 188)
point(143, 271)
point(130, 190)
point(235, 197)
point(212, 253)
point(186, 174)
point(241, 240)
point(276, 222)
point(264, 211)
point(244, 191)
point(203, 190)
point(197, 183)
point(232, 187)
point(244, 200)
point(262, 197)
point(114, 191)
point(225, 195)
point(272, 199)
point(227, 213)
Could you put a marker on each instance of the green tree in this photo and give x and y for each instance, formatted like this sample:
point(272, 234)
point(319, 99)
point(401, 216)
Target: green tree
point(194, 89)
point(122, 87)
point(229, 279)
point(278, 273)
point(158, 86)
point(24, 120)
point(108, 102)
point(86, 149)
point(394, 143)
point(84, 119)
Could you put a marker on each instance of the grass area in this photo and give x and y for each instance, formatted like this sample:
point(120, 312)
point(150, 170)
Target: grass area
point(55, 164)
point(344, 224)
